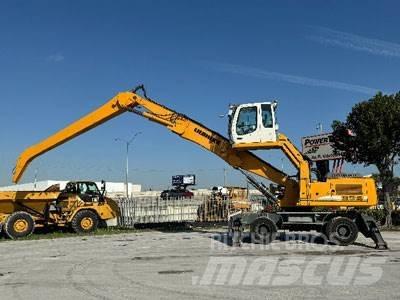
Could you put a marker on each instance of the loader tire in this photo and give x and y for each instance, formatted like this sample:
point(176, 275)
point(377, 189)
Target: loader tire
point(323, 230)
point(342, 231)
point(263, 231)
point(85, 221)
point(19, 224)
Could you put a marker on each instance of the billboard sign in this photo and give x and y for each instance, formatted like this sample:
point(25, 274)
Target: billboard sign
point(319, 147)
point(183, 180)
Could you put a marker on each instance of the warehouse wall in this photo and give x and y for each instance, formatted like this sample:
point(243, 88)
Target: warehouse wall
point(112, 188)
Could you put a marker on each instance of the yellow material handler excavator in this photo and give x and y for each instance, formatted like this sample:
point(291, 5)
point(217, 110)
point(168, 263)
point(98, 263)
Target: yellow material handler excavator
point(252, 126)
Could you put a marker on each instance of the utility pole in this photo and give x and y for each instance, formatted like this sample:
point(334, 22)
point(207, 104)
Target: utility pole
point(127, 171)
point(225, 177)
point(128, 143)
point(35, 181)
point(319, 127)
point(248, 190)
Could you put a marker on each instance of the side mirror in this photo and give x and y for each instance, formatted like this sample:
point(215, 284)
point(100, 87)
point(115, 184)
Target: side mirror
point(231, 110)
point(103, 187)
point(276, 126)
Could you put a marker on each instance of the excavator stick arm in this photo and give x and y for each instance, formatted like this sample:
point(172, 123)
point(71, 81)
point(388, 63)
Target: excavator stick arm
point(113, 108)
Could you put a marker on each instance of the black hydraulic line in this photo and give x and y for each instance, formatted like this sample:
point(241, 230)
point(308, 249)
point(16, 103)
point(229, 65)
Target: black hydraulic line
point(272, 199)
point(140, 88)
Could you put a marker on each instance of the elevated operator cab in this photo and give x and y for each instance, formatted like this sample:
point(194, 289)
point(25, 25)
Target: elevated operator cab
point(253, 123)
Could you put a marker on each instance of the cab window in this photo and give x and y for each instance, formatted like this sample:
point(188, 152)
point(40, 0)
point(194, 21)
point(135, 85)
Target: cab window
point(87, 188)
point(266, 115)
point(81, 189)
point(92, 188)
point(70, 187)
point(247, 120)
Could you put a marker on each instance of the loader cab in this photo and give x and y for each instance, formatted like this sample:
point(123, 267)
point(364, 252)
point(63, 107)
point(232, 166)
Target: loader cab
point(253, 123)
point(86, 190)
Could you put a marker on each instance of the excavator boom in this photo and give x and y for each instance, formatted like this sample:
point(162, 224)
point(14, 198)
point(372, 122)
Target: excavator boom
point(178, 123)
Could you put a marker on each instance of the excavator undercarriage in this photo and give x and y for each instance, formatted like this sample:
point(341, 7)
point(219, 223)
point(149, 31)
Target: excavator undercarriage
point(340, 227)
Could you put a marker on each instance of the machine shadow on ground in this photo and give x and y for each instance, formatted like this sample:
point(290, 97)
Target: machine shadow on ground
point(299, 237)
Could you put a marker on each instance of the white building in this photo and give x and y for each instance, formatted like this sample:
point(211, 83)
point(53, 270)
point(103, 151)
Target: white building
point(113, 189)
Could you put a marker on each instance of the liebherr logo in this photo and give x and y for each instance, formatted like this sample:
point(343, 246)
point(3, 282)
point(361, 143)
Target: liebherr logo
point(208, 136)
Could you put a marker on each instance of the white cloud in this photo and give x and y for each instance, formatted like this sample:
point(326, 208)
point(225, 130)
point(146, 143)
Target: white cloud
point(351, 41)
point(301, 80)
point(58, 57)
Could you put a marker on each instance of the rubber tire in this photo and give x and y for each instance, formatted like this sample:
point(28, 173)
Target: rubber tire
point(323, 229)
point(334, 237)
point(8, 226)
point(102, 224)
point(76, 221)
point(269, 227)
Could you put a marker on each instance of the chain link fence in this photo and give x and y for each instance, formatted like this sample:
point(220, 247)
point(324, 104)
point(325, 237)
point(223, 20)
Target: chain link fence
point(150, 210)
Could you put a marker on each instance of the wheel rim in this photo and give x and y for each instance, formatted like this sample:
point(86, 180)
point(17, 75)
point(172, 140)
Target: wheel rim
point(343, 231)
point(263, 230)
point(87, 223)
point(20, 225)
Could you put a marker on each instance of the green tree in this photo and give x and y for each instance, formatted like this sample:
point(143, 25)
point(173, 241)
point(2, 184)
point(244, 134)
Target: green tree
point(371, 136)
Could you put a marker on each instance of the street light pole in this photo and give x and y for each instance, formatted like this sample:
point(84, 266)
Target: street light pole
point(319, 128)
point(128, 143)
point(35, 182)
point(225, 177)
point(127, 171)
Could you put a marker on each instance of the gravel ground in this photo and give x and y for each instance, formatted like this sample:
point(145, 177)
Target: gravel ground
point(197, 265)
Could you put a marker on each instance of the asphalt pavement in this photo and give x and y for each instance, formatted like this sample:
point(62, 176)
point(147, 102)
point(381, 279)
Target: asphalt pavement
point(197, 265)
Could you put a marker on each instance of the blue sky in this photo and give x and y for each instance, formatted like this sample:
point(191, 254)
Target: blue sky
point(61, 59)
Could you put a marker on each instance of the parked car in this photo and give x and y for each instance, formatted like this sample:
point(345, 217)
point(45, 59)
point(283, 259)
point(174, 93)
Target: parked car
point(176, 193)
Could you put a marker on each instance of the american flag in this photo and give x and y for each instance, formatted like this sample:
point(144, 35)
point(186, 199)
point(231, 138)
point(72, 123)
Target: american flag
point(350, 132)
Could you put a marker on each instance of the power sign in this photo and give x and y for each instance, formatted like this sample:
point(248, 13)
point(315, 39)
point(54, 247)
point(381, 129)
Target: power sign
point(319, 147)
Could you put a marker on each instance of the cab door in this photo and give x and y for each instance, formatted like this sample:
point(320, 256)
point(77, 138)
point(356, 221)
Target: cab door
point(267, 126)
point(245, 124)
